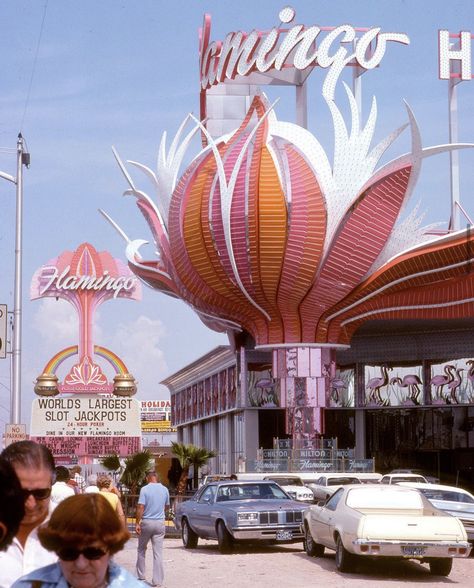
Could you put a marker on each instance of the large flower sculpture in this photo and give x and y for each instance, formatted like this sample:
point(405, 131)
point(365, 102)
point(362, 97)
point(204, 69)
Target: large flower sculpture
point(261, 234)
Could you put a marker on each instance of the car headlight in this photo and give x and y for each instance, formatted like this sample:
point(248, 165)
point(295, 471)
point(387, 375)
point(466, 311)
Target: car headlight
point(247, 517)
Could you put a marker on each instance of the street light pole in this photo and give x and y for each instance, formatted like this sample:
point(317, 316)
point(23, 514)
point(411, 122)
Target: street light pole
point(23, 158)
point(17, 317)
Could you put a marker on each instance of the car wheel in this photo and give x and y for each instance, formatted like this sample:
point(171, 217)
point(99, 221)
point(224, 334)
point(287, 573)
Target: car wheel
point(441, 566)
point(189, 537)
point(313, 549)
point(224, 538)
point(344, 559)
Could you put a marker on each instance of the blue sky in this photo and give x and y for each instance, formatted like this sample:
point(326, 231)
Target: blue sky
point(120, 73)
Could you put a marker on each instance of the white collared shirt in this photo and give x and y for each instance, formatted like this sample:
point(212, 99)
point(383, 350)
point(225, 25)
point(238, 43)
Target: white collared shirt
point(17, 560)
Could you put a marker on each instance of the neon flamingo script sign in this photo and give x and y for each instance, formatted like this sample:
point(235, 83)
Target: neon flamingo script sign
point(243, 53)
point(65, 281)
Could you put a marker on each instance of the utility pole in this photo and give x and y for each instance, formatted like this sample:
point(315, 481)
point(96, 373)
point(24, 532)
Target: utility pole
point(23, 158)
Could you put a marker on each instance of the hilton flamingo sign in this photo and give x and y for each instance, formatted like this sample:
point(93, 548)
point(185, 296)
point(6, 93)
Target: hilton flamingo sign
point(262, 234)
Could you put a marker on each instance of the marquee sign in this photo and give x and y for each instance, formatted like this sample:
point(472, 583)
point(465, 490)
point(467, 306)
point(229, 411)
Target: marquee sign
point(298, 47)
point(89, 416)
point(86, 279)
point(93, 416)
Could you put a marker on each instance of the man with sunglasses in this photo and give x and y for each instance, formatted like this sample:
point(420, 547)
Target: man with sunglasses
point(34, 466)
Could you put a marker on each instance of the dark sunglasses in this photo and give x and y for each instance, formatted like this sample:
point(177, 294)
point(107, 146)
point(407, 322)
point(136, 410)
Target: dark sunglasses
point(71, 553)
point(37, 493)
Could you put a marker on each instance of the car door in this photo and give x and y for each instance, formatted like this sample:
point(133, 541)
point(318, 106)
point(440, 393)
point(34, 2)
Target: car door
point(324, 520)
point(200, 516)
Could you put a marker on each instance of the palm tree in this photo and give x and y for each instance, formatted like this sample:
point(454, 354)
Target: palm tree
point(135, 470)
point(111, 462)
point(189, 455)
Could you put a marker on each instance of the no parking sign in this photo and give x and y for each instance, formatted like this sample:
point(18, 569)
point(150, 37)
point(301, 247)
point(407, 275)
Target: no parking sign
point(14, 433)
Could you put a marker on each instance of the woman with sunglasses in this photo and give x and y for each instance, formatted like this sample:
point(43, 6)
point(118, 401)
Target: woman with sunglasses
point(84, 532)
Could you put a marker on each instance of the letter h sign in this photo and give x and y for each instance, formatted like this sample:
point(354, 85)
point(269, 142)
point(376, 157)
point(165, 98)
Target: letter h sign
point(460, 55)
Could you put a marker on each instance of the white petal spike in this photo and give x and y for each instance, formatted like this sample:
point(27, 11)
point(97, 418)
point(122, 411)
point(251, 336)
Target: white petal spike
point(356, 122)
point(161, 159)
point(119, 230)
point(123, 168)
point(384, 144)
point(176, 138)
point(145, 169)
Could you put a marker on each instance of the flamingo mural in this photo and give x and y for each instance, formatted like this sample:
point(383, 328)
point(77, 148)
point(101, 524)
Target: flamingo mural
point(440, 381)
point(453, 387)
point(470, 372)
point(413, 384)
point(375, 384)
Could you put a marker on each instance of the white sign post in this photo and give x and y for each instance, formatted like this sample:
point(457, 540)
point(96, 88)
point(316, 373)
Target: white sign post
point(3, 331)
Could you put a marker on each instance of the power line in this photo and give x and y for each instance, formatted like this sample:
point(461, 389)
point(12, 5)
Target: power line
point(27, 100)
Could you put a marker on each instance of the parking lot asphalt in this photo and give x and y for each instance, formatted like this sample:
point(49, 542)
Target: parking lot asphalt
point(283, 565)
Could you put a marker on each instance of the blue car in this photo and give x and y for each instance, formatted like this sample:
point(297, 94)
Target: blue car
point(240, 511)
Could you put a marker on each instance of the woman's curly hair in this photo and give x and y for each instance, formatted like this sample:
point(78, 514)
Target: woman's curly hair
point(82, 520)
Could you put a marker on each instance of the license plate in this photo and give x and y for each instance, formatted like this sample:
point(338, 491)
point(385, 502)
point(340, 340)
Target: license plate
point(413, 551)
point(284, 535)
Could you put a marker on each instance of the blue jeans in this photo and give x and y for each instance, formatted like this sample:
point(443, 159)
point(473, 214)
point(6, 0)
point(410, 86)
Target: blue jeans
point(153, 529)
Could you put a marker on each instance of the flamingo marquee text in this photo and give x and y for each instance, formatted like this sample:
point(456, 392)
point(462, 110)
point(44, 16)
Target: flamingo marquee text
point(243, 53)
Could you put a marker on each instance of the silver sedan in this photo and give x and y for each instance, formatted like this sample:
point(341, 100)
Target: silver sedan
point(230, 512)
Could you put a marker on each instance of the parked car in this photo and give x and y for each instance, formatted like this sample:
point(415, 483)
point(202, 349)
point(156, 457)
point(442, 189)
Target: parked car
point(429, 477)
point(450, 499)
point(327, 484)
point(397, 478)
point(377, 521)
point(293, 485)
point(230, 512)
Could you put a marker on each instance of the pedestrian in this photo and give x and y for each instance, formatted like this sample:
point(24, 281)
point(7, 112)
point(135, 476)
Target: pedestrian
point(152, 508)
point(72, 482)
point(84, 532)
point(190, 478)
point(34, 466)
point(92, 484)
point(12, 507)
point(61, 488)
point(78, 478)
point(104, 483)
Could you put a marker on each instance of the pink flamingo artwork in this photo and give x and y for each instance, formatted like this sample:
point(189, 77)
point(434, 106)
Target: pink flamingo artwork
point(440, 381)
point(412, 382)
point(470, 373)
point(337, 385)
point(453, 386)
point(375, 384)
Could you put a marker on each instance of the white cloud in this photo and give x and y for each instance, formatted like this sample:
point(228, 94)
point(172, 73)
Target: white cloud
point(58, 324)
point(138, 343)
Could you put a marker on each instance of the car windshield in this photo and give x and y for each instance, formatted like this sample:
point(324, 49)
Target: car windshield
point(396, 479)
point(386, 498)
point(449, 495)
point(343, 480)
point(250, 491)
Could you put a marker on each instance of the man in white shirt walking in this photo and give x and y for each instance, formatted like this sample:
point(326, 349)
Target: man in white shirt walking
point(153, 506)
point(61, 489)
point(34, 466)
